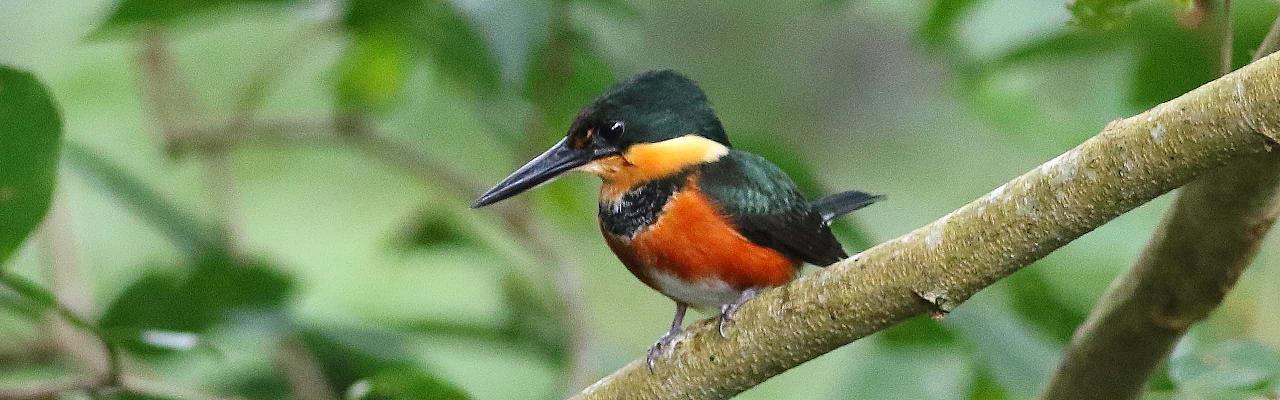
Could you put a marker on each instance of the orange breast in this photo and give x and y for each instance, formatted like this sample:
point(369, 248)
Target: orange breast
point(693, 242)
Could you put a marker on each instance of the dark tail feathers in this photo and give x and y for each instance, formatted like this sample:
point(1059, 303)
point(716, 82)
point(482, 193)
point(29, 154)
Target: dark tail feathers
point(839, 204)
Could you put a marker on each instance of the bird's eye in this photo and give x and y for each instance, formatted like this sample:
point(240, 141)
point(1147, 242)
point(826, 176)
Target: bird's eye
point(613, 130)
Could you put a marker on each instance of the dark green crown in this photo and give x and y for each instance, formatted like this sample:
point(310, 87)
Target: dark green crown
point(655, 106)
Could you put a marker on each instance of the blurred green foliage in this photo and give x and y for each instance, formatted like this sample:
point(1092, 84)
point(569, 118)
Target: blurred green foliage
point(1099, 14)
point(30, 131)
point(213, 290)
point(134, 12)
point(387, 34)
point(372, 366)
point(395, 291)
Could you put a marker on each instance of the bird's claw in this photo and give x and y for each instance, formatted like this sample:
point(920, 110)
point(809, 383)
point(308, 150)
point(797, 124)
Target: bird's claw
point(726, 316)
point(661, 348)
point(727, 311)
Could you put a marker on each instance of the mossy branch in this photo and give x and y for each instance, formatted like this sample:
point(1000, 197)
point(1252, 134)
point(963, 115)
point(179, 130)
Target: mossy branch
point(938, 266)
point(1209, 236)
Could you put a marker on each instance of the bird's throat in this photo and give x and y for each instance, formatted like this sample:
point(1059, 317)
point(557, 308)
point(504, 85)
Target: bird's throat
point(645, 162)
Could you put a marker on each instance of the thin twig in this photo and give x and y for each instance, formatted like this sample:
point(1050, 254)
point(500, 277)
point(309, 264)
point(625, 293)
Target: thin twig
point(1270, 43)
point(1226, 40)
point(302, 371)
point(255, 91)
point(110, 377)
point(161, 86)
point(48, 389)
point(172, 103)
point(68, 286)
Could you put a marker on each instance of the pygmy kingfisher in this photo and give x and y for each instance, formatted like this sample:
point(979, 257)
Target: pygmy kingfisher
point(702, 223)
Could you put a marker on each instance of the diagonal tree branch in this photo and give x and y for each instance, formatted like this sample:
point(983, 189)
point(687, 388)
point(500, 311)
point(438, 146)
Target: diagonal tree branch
point(935, 267)
point(1209, 236)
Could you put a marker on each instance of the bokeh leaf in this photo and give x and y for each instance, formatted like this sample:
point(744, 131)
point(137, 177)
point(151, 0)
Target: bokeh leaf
point(132, 12)
point(30, 291)
point(1055, 86)
point(372, 71)
point(434, 30)
point(1099, 14)
point(371, 365)
point(1171, 61)
point(919, 331)
point(30, 130)
point(985, 387)
point(941, 20)
point(217, 288)
point(434, 228)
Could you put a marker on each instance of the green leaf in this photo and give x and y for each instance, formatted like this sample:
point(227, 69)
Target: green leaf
point(215, 290)
point(1099, 14)
point(1173, 60)
point(434, 228)
point(1031, 86)
point(41, 299)
point(133, 12)
point(444, 36)
point(187, 231)
point(410, 383)
point(30, 132)
point(985, 387)
point(29, 290)
point(1170, 62)
point(942, 19)
point(371, 365)
point(919, 331)
point(372, 71)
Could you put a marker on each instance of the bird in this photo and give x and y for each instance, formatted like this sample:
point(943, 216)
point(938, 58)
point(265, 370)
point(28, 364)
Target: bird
point(703, 223)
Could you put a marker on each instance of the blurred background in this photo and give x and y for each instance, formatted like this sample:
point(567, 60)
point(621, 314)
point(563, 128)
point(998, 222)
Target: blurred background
point(267, 199)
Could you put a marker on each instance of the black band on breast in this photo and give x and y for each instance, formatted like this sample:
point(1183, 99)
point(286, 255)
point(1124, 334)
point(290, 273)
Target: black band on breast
point(640, 206)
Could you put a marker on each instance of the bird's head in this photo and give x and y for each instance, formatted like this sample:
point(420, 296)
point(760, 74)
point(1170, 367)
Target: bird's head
point(649, 126)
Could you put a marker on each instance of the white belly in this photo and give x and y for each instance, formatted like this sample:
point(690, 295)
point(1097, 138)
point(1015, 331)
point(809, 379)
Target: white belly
point(706, 295)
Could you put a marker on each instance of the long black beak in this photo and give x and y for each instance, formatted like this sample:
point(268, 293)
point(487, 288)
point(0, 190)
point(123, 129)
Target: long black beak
point(544, 168)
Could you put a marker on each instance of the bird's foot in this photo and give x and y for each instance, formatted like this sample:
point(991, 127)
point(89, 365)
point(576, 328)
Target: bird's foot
point(727, 311)
point(662, 348)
